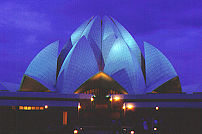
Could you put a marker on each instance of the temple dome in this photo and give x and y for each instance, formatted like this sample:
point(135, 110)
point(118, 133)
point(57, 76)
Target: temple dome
point(102, 46)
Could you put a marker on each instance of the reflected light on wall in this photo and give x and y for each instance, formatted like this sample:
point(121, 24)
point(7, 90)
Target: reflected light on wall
point(129, 106)
point(20, 107)
point(64, 118)
point(116, 98)
point(102, 75)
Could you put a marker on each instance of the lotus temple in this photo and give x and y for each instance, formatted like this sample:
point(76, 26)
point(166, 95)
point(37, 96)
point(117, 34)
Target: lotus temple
point(99, 82)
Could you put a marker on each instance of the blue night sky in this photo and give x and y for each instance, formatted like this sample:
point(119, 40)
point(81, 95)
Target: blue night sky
point(173, 26)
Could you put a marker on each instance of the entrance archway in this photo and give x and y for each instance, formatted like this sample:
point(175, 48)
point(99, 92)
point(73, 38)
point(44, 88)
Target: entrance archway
point(100, 85)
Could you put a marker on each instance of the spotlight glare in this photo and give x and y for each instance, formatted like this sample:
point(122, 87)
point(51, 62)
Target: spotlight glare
point(124, 106)
point(157, 108)
point(110, 99)
point(79, 106)
point(92, 99)
point(75, 131)
point(132, 132)
point(130, 106)
point(116, 98)
point(46, 106)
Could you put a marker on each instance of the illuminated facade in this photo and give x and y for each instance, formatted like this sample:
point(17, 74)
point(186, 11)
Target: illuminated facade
point(100, 45)
point(99, 80)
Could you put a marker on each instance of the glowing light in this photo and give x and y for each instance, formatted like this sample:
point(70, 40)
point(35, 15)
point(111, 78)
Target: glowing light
point(29, 108)
point(91, 99)
point(124, 106)
point(130, 106)
point(154, 92)
point(32, 108)
point(79, 106)
point(157, 108)
point(75, 131)
point(20, 107)
point(110, 99)
point(64, 118)
point(155, 128)
point(25, 107)
point(116, 98)
point(102, 75)
point(46, 106)
point(132, 132)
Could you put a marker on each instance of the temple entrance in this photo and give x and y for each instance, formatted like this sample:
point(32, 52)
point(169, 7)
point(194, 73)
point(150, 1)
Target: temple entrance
point(101, 85)
point(101, 108)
